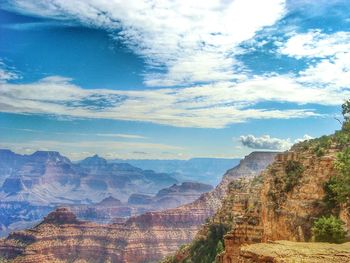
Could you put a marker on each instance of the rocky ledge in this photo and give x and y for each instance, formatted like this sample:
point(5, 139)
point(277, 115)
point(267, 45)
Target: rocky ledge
point(293, 252)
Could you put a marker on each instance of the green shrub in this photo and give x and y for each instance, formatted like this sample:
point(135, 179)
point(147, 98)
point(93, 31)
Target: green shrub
point(219, 247)
point(322, 144)
point(330, 197)
point(319, 151)
point(257, 180)
point(338, 187)
point(346, 110)
point(293, 171)
point(329, 229)
point(205, 250)
point(342, 138)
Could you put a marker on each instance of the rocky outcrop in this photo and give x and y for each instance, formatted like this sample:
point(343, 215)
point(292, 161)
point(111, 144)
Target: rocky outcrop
point(289, 200)
point(144, 238)
point(61, 216)
point(289, 214)
point(110, 201)
point(291, 252)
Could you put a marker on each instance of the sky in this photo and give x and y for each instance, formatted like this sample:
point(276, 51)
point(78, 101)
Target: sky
point(170, 79)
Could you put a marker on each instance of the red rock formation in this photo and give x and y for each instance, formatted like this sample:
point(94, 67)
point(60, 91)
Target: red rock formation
point(143, 238)
point(281, 214)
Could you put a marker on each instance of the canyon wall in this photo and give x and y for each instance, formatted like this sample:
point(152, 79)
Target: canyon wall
point(282, 210)
point(145, 238)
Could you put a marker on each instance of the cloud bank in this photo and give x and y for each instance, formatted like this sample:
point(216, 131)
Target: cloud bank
point(207, 106)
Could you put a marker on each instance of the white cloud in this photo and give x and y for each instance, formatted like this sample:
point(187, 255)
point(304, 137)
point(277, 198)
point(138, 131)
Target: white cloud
point(329, 60)
point(315, 44)
point(207, 106)
point(266, 142)
point(7, 74)
point(333, 72)
point(306, 137)
point(190, 41)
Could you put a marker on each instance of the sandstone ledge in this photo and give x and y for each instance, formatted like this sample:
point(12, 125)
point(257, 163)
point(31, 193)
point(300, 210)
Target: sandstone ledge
point(295, 252)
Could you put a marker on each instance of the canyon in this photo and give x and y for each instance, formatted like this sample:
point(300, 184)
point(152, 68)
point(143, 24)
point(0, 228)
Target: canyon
point(144, 238)
point(33, 185)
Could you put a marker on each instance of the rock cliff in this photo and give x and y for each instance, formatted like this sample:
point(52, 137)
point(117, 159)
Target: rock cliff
point(280, 204)
point(287, 208)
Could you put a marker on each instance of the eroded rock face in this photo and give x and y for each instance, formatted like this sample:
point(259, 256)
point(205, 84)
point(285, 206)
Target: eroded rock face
point(288, 215)
point(144, 238)
point(282, 210)
point(61, 216)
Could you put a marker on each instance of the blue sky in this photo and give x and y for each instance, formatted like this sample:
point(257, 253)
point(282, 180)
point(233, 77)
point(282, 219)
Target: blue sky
point(170, 79)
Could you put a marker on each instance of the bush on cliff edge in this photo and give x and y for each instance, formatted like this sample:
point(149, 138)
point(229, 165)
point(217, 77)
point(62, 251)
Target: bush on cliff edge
point(329, 229)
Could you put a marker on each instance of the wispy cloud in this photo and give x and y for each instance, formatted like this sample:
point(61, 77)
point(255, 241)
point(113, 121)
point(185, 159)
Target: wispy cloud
point(107, 148)
point(206, 106)
point(181, 41)
point(107, 135)
point(7, 73)
point(315, 44)
point(328, 56)
point(121, 135)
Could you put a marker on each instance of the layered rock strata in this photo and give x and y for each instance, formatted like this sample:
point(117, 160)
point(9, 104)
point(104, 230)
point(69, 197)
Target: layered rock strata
point(283, 212)
point(145, 238)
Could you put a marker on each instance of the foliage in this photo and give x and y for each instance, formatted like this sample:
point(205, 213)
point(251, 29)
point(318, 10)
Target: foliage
point(205, 250)
point(293, 171)
point(338, 187)
point(342, 137)
point(219, 248)
point(323, 143)
point(346, 110)
point(330, 197)
point(257, 180)
point(329, 229)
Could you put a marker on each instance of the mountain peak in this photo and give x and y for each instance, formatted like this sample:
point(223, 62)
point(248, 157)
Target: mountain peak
point(61, 215)
point(110, 201)
point(94, 160)
point(46, 154)
point(5, 153)
point(49, 155)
